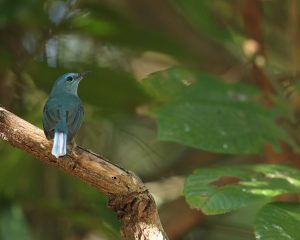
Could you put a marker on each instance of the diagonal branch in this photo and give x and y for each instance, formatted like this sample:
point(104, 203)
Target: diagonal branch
point(127, 195)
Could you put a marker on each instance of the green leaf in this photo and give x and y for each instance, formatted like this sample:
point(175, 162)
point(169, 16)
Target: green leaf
point(97, 27)
point(245, 185)
point(204, 112)
point(278, 221)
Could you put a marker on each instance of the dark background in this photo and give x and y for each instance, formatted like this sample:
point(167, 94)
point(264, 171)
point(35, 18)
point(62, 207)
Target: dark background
point(121, 43)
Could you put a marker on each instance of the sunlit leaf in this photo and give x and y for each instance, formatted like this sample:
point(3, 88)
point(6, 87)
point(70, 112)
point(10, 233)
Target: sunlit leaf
point(224, 189)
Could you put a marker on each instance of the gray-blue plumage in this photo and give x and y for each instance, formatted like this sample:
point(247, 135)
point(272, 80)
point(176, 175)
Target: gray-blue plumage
point(63, 112)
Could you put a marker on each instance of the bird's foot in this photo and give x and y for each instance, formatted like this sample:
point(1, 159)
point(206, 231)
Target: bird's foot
point(71, 148)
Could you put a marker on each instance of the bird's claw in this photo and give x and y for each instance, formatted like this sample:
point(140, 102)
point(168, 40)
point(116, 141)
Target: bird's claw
point(71, 148)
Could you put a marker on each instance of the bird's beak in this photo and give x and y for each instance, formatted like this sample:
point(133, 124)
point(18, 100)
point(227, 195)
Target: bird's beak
point(83, 74)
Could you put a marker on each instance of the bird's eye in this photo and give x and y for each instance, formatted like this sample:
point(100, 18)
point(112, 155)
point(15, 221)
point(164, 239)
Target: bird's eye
point(69, 79)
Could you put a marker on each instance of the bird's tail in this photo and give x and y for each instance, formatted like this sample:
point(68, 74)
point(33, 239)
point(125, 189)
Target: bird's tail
point(59, 144)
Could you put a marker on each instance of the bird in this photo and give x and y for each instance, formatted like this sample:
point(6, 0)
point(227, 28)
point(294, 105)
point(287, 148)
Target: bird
point(63, 112)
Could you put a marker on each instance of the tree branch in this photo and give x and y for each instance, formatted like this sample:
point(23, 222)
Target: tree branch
point(127, 195)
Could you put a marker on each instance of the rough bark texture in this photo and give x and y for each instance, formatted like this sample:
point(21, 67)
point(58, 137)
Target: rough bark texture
point(127, 195)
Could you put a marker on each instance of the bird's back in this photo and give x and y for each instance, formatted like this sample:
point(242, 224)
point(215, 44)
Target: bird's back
point(62, 108)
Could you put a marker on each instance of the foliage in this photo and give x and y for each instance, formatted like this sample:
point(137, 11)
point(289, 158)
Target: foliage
point(246, 185)
point(278, 221)
point(218, 78)
point(203, 112)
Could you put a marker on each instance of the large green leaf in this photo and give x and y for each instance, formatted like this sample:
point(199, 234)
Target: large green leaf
point(204, 112)
point(224, 189)
point(278, 221)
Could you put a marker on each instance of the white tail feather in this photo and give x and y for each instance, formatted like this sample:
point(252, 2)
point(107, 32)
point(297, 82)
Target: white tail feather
point(59, 144)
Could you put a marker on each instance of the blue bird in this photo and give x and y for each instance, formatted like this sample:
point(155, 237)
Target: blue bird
point(63, 112)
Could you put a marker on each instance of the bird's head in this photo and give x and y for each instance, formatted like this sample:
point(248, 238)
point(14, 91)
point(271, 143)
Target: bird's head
point(68, 83)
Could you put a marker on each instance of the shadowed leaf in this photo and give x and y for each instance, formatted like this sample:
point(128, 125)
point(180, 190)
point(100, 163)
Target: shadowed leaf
point(278, 221)
point(201, 111)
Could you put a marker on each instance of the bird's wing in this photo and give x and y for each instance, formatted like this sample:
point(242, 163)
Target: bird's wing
point(51, 116)
point(74, 119)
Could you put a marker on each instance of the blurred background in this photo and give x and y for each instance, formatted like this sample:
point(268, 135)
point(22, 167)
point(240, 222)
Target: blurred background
point(121, 43)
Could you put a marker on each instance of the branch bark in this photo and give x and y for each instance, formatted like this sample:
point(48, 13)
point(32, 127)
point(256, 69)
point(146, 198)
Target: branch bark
point(127, 195)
